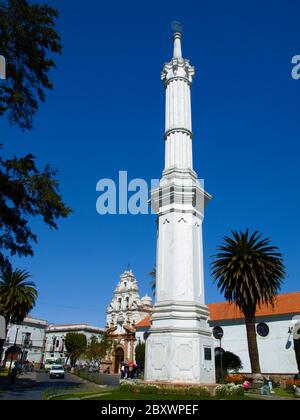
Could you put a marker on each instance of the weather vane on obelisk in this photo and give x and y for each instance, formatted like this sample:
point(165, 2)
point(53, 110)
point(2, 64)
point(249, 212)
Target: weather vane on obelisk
point(177, 26)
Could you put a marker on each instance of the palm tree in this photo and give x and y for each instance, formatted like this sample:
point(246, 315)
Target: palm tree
point(249, 271)
point(17, 295)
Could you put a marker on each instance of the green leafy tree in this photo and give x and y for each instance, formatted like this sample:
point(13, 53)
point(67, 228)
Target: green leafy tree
point(230, 362)
point(249, 272)
point(28, 40)
point(97, 349)
point(140, 354)
point(76, 345)
point(25, 192)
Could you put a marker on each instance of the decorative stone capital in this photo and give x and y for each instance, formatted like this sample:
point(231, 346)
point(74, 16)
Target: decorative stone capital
point(176, 69)
point(180, 195)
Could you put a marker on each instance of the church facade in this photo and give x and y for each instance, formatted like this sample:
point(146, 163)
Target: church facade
point(124, 312)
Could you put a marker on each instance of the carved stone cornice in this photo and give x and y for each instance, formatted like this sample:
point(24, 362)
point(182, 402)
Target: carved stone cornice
point(179, 129)
point(110, 329)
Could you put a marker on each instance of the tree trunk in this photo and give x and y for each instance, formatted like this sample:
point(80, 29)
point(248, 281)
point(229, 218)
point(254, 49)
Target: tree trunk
point(252, 344)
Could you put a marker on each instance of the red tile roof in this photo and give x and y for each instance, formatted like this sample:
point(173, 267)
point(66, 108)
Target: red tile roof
point(285, 304)
point(145, 323)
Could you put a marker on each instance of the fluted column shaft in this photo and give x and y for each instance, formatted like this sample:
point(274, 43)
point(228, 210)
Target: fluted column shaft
point(177, 76)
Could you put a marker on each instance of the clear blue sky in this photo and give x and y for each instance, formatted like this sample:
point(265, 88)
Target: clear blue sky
point(106, 114)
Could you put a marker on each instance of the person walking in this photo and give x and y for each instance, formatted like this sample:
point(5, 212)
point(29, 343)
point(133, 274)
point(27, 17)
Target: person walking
point(126, 371)
point(122, 371)
point(13, 374)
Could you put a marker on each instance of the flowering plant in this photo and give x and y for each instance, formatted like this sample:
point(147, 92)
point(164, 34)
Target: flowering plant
point(236, 379)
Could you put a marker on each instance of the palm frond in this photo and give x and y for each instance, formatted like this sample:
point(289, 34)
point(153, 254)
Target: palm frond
point(17, 295)
point(248, 270)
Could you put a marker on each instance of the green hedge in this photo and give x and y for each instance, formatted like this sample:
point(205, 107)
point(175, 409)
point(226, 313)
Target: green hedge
point(153, 389)
point(91, 377)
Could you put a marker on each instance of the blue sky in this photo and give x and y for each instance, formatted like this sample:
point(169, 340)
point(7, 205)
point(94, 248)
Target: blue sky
point(106, 114)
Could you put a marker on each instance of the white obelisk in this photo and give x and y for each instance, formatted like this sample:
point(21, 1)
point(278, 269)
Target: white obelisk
point(180, 345)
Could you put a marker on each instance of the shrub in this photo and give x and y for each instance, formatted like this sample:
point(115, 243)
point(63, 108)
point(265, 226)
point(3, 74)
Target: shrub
point(221, 391)
point(190, 391)
point(235, 390)
point(229, 390)
point(129, 386)
point(148, 389)
point(202, 391)
point(91, 377)
point(172, 391)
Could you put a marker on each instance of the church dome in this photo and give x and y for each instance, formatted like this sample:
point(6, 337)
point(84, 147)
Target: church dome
point(146, 300)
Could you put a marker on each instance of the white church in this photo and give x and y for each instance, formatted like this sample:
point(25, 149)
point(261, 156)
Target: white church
point(124, 312)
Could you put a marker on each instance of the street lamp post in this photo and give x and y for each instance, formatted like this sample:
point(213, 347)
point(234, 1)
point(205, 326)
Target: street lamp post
point(218, 334)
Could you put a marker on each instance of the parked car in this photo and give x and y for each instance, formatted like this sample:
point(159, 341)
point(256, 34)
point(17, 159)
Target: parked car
point(57, 372)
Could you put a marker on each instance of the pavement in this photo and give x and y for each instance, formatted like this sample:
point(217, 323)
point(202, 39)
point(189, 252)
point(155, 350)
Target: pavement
point(271, 397)
point(32, 386)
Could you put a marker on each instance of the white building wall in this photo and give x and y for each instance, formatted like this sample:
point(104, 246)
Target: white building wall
point(276, 351)
point(58, 335)
point(36, 329)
